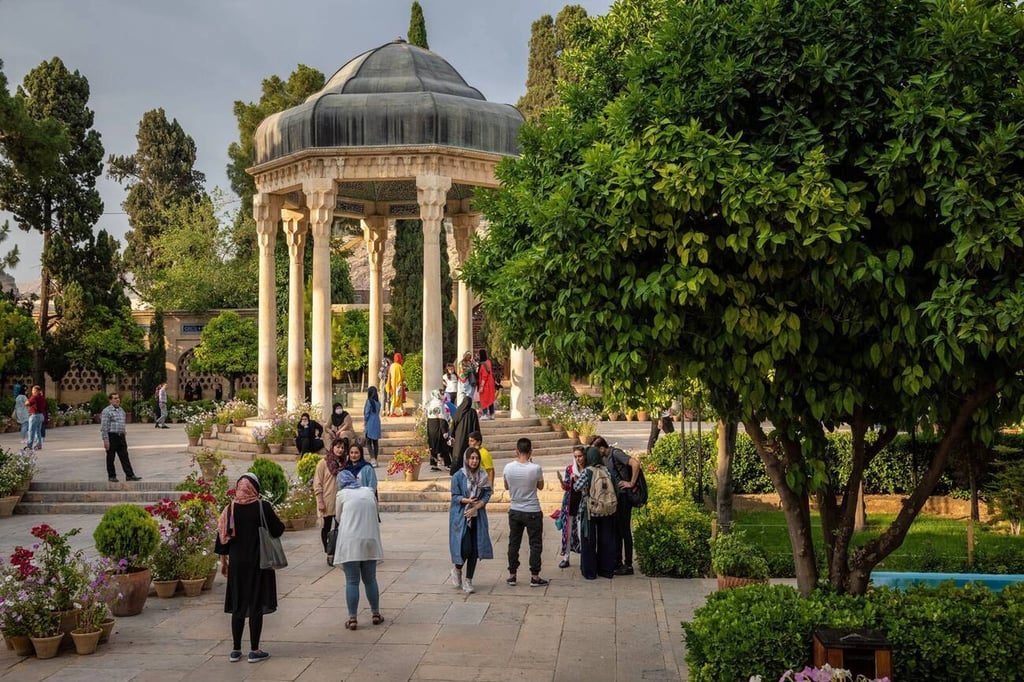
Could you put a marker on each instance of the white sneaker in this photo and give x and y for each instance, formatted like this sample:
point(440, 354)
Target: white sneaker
point(456, 576)
point(467, 586)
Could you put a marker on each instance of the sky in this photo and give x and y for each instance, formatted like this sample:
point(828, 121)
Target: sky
point(195, 58)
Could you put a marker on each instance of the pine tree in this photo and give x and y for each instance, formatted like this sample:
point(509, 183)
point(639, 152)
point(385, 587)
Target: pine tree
point(61, 203)
point(158, 175)
point(548, 38)
point(418, 27)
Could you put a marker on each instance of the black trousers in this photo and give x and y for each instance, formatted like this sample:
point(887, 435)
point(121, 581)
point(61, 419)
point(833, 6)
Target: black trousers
point(599, 548)
point(325, 531)
point(119, 446)
point(624, 532)
point(533, 524)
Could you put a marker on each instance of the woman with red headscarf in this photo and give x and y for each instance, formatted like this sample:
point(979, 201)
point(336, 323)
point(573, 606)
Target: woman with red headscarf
point(251, 591)
point(396, 386)
point(325, 489)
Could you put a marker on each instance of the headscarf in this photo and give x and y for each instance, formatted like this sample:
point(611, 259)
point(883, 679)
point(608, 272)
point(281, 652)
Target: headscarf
point(398, 358)
point(247, 491)
point(435, 406)
point(332, 461)
point(594, 457)
point(371, 396)
point(346, 479)
point(354, 467)
point(477, 480)
point(576, 471)
point(338, 419)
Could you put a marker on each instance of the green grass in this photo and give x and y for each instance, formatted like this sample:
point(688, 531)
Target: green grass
point(932, 544)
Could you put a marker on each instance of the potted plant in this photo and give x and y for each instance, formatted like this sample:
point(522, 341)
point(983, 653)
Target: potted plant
point(195, 425)
point(128, 534)
point(737, 562)
point(260, 434)
point(196, 565)
point(15, 610)
point(280, 428)
point(407, 461)
point(93, 598)
point(299, 509)
point(210, 462)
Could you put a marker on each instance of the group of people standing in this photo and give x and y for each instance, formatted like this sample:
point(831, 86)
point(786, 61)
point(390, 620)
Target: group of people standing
point(30, 411)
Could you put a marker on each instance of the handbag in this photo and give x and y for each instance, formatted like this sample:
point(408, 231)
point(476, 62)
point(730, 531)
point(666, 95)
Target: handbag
point(332, 539)
point(271, 552)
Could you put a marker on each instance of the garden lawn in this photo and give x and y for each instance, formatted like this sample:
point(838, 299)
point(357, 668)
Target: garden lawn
point(932, 544)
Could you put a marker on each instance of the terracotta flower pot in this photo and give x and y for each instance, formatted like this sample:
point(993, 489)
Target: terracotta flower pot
point(134, 588)
point(193, 441)
point(165, 589)
point(21, 644)
point(106, 627)
point(412, 474)
point(210, 579)
point(7, 505)
point(47, 647)
point(275, 448)
point(193, 586)
point(86, 642)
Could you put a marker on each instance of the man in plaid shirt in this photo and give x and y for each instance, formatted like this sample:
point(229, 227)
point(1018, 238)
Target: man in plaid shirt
point(112, 430)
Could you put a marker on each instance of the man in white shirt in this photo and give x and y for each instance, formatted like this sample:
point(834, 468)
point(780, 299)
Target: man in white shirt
point(523, 479)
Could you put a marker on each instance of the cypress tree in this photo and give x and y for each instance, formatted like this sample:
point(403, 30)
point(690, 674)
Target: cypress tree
point(548, 38)
point(417, 27)
point(155, 370)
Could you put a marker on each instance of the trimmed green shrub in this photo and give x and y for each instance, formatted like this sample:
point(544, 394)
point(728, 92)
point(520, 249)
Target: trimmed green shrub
point(307, 467)
point(732, 555)
point(98, 401)
point(671, 534)
point(128, 532)
point(273, 482)
point(413, 364)
point(246, 395)
point(941, 633)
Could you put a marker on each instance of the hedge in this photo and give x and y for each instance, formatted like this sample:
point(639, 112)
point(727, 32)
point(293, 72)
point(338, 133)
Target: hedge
point(671, 533)
point(937, 633)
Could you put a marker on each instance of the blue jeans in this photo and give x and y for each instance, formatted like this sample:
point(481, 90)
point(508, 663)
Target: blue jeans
point(35, 430)
point(368, 571)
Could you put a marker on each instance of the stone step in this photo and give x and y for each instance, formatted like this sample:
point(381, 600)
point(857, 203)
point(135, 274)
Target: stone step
point(58, 486)
point(74, 507)
point(115, 496)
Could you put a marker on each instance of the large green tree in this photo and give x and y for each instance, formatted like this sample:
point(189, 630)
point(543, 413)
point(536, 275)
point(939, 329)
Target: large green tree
point(18, 339)
point(61, 203)
point(159, 175)
point(417, 27)
point(229, 346)
point(814, 208)
point(407, 290)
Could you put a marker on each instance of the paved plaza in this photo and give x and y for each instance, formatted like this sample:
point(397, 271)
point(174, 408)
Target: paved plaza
point(622, 629)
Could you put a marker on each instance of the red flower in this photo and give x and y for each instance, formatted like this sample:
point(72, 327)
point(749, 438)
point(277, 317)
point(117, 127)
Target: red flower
point(43, 532)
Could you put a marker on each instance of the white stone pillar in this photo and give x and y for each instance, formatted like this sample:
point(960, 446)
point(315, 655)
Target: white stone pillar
point(432, 193)
point(463, 227)
point(521, 376)
point(375, 234)
point(295, 236)
point(266, 212)
point(321, 199)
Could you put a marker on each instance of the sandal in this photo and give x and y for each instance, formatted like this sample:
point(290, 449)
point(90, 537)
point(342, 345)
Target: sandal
point(377, 619)
point(351, 624)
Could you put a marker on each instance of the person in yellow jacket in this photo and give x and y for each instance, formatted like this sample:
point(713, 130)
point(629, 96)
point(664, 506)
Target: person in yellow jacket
point(396, 386)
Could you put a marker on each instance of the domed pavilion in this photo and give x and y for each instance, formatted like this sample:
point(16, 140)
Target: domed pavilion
point(395, 134)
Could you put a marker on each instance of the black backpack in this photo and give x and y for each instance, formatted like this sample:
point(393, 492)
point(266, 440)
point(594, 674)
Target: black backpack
point(637, 495)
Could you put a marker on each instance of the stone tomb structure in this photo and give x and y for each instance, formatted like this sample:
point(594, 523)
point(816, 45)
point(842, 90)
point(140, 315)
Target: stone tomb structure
point(395, 134)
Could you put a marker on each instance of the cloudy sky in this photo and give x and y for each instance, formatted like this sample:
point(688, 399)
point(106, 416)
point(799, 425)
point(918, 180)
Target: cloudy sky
point(194, 58)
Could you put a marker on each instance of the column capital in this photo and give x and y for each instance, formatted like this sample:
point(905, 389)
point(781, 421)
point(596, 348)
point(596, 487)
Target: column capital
point(432, 196)
point(463, 227)
point(375, 234)
point(295, 228)
point(321, 197)
point(266, 209)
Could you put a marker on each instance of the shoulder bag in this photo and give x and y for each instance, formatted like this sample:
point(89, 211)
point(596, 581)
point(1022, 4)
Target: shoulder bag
point(271, 552)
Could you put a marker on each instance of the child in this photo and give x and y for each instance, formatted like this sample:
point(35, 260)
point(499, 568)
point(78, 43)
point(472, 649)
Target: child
point(451, 382)
point(476, 440)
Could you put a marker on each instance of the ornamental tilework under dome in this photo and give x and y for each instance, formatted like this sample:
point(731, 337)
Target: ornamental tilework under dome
point(394, 95)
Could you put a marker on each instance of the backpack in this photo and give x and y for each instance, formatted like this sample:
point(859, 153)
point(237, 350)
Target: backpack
point(601, 497)
point(471, 376)
point(637, 495)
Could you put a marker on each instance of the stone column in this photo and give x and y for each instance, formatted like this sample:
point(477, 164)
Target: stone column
point(266, 209)
point(375, 234)
point(321, 199)
point(295, 235)
point(521, 375)
point(463, 227)
point(432, 193)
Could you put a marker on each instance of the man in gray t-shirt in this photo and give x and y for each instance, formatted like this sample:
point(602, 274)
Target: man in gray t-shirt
point(523, 479)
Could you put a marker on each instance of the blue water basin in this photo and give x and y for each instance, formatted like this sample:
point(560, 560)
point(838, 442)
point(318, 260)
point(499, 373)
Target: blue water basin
point(904, 580)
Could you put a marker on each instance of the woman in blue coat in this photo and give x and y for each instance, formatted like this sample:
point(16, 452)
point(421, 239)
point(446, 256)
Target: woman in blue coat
point(468, 533)
point(371, 421)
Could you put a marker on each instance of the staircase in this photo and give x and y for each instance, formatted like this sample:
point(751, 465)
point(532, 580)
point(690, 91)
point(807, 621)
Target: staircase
point(50, 497)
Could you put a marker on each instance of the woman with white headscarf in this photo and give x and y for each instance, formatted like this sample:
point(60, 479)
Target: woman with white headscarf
point(359, 547)
point(469, 536)
point(251, 590)
point(438, 430)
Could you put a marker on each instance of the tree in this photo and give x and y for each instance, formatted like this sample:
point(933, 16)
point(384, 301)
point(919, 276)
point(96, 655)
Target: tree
point(350, 343)
point(18, 339)
point(548, 39)
point(795, 204)
point(229, 347)
point(159, 175)
point(60, 200)
point(417, 27)
point(154, 372)
point(407, 289)
point(28, 147)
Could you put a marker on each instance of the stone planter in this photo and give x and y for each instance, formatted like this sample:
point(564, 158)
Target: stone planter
point(134, 588)
point(210, 470)
point(165, 589)
point(86, 642)
point(46, 647)
point(275, 448)
point(193, 586)
point(262, 448)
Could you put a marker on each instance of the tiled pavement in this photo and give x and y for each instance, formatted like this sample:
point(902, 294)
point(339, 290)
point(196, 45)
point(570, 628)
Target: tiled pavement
point(622, 629)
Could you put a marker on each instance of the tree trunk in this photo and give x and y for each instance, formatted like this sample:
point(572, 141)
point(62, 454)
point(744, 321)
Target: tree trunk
point(796, 506)
point(38, 371)
point(860, 518)
point(723, 474)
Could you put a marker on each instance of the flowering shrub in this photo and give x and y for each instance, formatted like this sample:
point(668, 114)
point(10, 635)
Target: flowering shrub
point(16, 470)
point(57, 566)
point(545, 403)
point(259, 434)
point(824, 674)
point(97, 591)
point(216, 488)
point(188, 528)
point(306, 468)
point(197, 423)
point(300, 503)
point(407, 459)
